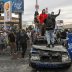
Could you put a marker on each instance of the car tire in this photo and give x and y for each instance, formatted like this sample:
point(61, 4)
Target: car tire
point(68, 66)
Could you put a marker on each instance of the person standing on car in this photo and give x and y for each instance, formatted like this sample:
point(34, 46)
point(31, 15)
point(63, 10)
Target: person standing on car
point(42, 17)
point(23, 41)
point(50, 26)
point(36, 17)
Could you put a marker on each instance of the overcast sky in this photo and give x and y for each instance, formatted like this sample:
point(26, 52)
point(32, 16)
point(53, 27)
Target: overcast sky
point(52, 5)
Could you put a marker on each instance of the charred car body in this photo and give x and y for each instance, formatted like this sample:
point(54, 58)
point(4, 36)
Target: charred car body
point(44, 57)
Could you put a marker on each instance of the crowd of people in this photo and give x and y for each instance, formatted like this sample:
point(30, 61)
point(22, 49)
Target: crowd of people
point(61, 37)
point(17, 40)
point(45, 24)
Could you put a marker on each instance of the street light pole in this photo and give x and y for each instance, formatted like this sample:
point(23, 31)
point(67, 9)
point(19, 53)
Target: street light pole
point(36, 4)
point(20, 20)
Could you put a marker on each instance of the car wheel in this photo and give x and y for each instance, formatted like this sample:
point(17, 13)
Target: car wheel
point(68, 66)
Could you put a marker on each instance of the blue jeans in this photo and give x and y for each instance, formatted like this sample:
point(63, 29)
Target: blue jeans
point(50, 36)
point(37, 30)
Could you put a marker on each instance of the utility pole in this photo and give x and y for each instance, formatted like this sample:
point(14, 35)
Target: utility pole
point(0, 8)
point(37, 6)
point(20, 20)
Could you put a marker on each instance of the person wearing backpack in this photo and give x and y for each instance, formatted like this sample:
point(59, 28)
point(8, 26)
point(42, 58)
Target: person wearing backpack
point(50, 26)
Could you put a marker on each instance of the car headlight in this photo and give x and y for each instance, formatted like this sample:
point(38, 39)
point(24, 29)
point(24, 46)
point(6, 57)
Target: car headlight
point(65, 58)
point(35, 57)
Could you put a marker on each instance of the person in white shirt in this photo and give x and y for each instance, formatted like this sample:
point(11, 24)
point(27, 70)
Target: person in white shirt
point(29, 33)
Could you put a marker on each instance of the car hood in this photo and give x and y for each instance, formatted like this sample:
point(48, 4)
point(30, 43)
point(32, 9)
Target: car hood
point(59, 48)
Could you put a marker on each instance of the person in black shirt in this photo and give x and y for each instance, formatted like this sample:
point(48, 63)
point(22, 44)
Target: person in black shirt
point(17, 40)
point(23, 41)
point(50, 27)
point(11, 37)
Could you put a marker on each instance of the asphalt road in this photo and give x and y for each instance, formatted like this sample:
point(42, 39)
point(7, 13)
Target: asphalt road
point(21, 65)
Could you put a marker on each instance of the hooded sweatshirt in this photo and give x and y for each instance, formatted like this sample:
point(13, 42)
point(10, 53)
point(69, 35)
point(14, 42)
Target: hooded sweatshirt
point(42, 17)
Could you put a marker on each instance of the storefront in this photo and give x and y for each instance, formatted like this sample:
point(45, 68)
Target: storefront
point(14, 22)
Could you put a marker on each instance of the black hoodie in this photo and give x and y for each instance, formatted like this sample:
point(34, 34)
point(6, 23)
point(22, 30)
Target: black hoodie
point(50, 21)
point(23, 37)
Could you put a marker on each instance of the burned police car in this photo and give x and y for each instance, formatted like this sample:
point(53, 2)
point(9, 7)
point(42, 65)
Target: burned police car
point(44, 57)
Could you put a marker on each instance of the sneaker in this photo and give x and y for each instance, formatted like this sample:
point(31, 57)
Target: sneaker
point(48, 46)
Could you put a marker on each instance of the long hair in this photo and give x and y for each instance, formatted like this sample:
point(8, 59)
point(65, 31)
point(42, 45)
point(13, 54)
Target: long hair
point(36, 13)
point(43, 11)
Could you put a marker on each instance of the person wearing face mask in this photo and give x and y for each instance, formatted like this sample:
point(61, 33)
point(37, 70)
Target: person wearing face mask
point(42, 17)
point(23, 41)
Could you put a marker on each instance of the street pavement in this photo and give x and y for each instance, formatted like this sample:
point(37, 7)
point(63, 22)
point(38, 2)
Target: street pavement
point(7, 64)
